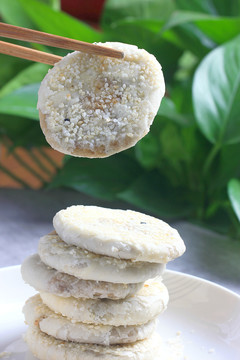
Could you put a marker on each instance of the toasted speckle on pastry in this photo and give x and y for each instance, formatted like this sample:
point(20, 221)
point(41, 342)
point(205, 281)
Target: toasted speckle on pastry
point(45, 278)
point(144, 306)
point(96, 106)
point(60, 327)
point(124, 234)
point(46, 347)
point(86, 265)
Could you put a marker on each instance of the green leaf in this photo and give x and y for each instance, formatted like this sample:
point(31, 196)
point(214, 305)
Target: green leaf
point(227, 8)
point(234, 195)
point(168, 110)
point(181, 95)
point(205, 6)
point(12, 12)
point(210, 26)
point(214, 7)
point(142, 33)
point(216, 94)
point(32, 74)
point(213, 28)
point(21, 102)
point(182, 17)
point(58, 22)
point(115, 10)
point(9, 67)
point(153, 193)
point(148, 152)
point(228, 165)
point(21, 131)
point(102, 178)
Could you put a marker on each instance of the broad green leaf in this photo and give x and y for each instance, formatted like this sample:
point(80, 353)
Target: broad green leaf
point(173, 151)
point(205, 6)
point(102, 178)
point(182, 17)
point(12, 12)
point(115, 10)
point(213, 7)
point(227, 8)
point(142, 33)
point(148, 152)
point(216, 94)
point(181, 94)
point(234, 195)
point(32, 74)
point(169, 111)
point(9, 67)
point(21, 131)
point(189, 38)
point(211, 26)
point(227, 166)
point(21, 102)
point(152, 193)
point(152, 26)
point(58, 22)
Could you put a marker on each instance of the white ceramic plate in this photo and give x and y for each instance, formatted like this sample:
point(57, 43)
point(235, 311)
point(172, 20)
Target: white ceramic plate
point(202, 320)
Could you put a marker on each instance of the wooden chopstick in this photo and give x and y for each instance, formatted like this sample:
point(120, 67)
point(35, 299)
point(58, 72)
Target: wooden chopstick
point(20, 33)
point(28, 53)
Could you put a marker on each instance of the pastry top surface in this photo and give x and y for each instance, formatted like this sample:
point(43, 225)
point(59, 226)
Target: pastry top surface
point(96, 106)
point(123, 234)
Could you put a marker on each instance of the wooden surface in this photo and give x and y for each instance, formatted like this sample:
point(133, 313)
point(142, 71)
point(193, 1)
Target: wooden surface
point(33, 178)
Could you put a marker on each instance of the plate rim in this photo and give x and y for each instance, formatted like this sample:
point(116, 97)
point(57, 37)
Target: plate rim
point(209, 286)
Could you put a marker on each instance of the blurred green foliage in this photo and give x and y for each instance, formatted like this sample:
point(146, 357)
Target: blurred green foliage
point(188, 166)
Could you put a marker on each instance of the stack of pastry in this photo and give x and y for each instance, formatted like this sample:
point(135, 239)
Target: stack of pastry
point(99, 282)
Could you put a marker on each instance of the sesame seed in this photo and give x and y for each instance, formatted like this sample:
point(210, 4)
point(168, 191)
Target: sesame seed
point(107, 100)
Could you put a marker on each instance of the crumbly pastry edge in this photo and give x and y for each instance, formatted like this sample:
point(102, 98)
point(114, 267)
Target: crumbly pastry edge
point(149, 302)
point(38, 314)
point(87, 265)
point(44, 278)
point(46, 347)
point(117, 246)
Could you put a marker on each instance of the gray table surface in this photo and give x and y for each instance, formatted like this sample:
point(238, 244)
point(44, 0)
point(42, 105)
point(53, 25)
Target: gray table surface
point(26, 215)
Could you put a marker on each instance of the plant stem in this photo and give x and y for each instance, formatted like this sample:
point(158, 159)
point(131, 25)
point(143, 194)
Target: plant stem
point(204, 193)
point(14, 177)
point(39, 163)
point(48, 158)
point(210, 158)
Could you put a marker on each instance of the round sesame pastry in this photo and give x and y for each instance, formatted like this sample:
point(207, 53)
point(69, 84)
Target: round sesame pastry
point(60, 327)
point(44, 278)
point(87, 265)
point(138, 309)
point(46, 347)
point(94, 106)
point(123, 234)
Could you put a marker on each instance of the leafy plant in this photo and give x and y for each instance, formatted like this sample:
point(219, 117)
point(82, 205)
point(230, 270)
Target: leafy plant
point(188, 166)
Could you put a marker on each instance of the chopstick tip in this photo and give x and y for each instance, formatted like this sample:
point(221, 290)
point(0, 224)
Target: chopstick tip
point(121, 55)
